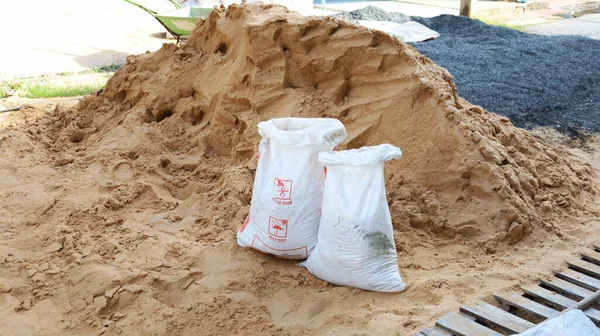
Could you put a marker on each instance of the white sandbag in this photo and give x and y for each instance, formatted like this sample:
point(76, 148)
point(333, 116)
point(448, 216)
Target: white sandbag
point(571, 323)
point(288, 187)
point(410, 31)
point(356, 240)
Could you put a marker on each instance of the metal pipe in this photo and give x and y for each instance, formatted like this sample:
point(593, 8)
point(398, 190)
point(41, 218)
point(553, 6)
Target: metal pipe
point(11, 109)
point(583, 304)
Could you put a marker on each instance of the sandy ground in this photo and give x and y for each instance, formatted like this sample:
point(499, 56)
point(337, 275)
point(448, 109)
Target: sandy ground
point(138, 260)
point(119, 215)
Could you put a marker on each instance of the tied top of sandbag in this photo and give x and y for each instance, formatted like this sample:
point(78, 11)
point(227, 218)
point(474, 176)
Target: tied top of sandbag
point(303, 131)
point(360, 157)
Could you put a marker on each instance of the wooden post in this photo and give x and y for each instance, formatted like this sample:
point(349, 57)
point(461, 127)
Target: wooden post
point(466, 7)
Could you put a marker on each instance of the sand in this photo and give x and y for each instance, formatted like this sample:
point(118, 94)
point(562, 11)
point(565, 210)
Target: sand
point(119, 213)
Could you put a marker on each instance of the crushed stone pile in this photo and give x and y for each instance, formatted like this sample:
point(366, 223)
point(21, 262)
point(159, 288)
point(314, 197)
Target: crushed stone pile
point(372, 13)
point(534, 80)
point(125, 211)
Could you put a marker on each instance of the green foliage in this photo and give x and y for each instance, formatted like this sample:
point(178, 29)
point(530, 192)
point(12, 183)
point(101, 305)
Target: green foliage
point(9, 85)
point(498, 21)
point(47, 90)
point(106, 68)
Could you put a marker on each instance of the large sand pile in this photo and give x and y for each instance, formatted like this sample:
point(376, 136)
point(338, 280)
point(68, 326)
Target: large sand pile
point(464, 171)
point(120, 214)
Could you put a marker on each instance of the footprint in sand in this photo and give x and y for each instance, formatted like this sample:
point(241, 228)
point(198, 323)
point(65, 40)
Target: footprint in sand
point(287, 310)
point(122, 171)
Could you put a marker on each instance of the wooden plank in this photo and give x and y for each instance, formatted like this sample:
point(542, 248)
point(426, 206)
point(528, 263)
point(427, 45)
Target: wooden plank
point(435, 332)
point(460, 325)
point(580, 279)
point(592, 257)
point(559, 300)
point(568, 288)
point(585, 267)
point(527, 305)
point(466, 8)
point(495, 316)
point(550, 296)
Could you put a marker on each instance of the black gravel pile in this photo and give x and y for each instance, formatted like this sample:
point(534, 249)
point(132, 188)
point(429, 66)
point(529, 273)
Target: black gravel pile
point(372, 13)
point(534, 80)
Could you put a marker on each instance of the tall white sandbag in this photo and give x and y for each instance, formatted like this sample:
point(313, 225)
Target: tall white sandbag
point(288, 187)
point(356, 240)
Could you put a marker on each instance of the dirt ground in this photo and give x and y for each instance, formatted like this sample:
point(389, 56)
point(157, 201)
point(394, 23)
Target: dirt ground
point(120, 213)
point(171, 279)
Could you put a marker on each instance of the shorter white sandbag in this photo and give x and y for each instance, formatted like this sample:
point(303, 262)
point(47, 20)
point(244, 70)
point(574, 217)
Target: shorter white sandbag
point(288, 187)
point(355, 244)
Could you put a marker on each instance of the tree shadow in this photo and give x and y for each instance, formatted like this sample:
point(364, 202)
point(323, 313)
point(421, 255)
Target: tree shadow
point(101, 58)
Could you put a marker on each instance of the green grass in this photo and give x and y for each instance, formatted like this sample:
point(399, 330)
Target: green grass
point(46, 90)
point(498, 21)
point(46, 86)
point(7, 85)
point(108, 69)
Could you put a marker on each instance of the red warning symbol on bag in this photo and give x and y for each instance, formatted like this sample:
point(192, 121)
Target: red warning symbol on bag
point(283, 189)
point(278, 227)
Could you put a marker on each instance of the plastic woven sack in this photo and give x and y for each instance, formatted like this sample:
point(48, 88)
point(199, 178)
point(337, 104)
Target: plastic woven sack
point(356, 239)
point(288, 187)
point(571, 323)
